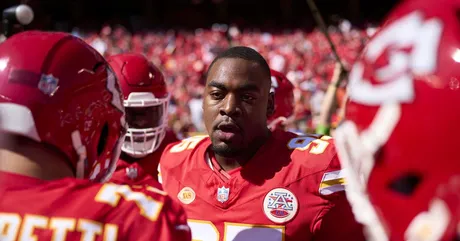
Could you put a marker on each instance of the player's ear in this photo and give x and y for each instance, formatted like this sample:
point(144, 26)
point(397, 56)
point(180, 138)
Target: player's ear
point(271, 104)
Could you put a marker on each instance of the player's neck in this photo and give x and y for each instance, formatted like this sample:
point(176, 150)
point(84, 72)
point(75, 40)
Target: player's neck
point(38, 164)
point(127, 158)
point(230, 163)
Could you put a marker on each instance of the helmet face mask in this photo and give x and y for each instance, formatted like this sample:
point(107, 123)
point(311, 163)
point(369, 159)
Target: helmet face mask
point(146, 117)
point(146, 103)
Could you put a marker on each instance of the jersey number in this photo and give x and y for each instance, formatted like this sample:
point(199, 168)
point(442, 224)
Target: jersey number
point(188, 143)
point(207, 231)
point(302, 143)
point(111, 193)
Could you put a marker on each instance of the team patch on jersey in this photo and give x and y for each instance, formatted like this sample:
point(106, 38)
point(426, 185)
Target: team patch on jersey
point(280, 205)
point(332, 182)
point(222, 194)
point(186, 195)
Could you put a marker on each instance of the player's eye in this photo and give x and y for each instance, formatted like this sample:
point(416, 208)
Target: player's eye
point(247, 97)
point(217, 95)
point(406, 184)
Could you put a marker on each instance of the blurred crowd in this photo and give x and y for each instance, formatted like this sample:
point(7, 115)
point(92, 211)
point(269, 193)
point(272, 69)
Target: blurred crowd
point(184, 55)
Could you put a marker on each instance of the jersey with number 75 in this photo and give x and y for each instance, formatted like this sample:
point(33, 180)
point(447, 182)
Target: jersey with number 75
point(291, 190)
point(74, 209)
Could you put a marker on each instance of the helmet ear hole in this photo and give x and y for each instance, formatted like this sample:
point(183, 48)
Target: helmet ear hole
point(406, 184)
point(103, 139)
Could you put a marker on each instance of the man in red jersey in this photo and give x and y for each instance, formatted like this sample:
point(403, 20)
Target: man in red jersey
point(62, 113)
point(245, 182)
point(146, 101)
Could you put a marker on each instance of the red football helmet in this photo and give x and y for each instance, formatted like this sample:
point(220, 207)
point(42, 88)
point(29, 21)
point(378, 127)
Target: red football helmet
point(284, 98)
point(146, 103)
point(398, 140)
point(57, 90)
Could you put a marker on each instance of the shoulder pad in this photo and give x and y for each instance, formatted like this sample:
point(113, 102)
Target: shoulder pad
point(175, 153)
point(317, 153)
point(186, 144)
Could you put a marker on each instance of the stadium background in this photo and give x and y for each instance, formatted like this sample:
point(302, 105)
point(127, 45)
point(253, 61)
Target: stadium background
point(183, 36)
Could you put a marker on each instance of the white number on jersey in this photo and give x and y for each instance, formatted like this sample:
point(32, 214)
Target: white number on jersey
point(302, 143)
point(111, 193)
point(207, 231)
point(188, 143)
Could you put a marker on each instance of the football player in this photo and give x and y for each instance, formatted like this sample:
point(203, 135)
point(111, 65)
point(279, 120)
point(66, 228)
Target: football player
point(146, 101)
point(283, 91)
point(245, 182)
point(398, 139)
point(62, 113)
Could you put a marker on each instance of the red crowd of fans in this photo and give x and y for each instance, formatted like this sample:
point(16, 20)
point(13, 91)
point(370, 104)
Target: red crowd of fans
point(183, 55)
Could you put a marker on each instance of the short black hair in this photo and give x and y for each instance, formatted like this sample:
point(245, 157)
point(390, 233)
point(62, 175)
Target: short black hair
point(246, 53)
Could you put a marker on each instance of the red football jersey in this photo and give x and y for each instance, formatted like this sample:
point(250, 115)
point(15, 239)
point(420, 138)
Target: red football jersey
point(291, 190)
point(143, 170)
point(75, 209)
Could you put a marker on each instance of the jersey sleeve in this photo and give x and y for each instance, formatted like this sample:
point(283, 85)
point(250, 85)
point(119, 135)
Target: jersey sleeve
point(335, 221)
point(174, 154)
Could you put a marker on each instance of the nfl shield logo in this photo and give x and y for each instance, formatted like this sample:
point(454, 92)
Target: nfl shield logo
point(131, 172)
point(48, 84)
point(222, 194)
